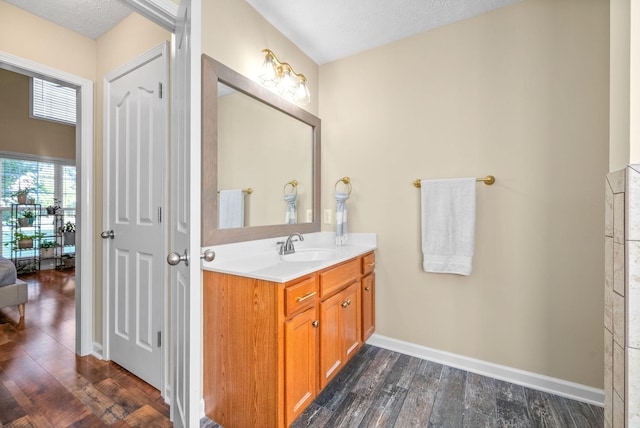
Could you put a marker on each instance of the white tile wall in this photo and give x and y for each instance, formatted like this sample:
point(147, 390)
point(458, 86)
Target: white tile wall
point(608, 283)
point(608, 378)
point(633, 369)
point(622, 298)
point(633, 294)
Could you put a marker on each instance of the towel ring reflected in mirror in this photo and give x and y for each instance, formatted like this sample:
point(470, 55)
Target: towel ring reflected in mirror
point(347, 182)
point(294, 187)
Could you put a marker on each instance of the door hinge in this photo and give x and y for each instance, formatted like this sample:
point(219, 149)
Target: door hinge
point(159, 339)
point(160, 90)
point(159, 214)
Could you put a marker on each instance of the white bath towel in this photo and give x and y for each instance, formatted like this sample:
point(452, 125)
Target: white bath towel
point(448, 225)
point(231, 209)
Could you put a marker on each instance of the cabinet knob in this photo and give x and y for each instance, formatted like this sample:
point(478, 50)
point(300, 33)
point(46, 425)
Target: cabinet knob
point(315, 324)
point(367, 288)
point(372, 264)
point(346, 303)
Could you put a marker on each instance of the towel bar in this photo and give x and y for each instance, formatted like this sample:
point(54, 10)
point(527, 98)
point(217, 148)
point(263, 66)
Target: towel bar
point(488, 180)
point(248, 190)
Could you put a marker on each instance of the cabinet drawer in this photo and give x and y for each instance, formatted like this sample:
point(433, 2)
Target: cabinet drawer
point(300, 296)
point(337, 278)
point(368, 263)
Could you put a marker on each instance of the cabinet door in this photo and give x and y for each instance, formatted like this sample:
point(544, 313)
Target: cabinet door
point(351, 319)
point(330, 338)
point(301, 370)
point(340, 331)
point(368, 306)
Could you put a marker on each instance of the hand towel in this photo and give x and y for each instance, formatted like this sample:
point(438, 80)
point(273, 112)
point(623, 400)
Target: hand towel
point(231, 209)
point(341, 218)
point(291, 216)
point(448, 225)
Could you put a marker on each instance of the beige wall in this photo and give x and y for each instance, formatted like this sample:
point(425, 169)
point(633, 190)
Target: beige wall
point(21, 133)
point(234, 34)
point(620, 43)
point(625, 84)
point(520, 93)
point(28, 36)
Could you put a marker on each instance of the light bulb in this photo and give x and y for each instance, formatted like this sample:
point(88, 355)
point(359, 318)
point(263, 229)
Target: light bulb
point(268, 74)
point(287, 84)
point(302, 95)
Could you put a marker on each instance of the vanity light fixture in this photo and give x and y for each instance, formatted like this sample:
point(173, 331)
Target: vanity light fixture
point(280, 76)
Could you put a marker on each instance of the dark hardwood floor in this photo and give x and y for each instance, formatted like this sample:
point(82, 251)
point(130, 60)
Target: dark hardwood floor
point(43, 383)
point(381, 388)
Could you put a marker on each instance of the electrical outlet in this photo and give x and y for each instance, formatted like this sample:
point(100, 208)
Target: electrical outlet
point(327, 216)
point(309, 216)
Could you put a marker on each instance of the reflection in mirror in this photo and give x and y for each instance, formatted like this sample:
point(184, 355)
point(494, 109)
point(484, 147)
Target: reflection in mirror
point(262, 149)
point(254, 140)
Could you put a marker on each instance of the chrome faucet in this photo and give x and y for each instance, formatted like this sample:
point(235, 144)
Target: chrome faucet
point(287, 246)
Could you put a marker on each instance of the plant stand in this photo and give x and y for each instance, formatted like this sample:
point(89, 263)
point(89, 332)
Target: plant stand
point(25, 252)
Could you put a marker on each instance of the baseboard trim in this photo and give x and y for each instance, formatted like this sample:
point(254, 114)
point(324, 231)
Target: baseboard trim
point(96, 351)
point(574, 391)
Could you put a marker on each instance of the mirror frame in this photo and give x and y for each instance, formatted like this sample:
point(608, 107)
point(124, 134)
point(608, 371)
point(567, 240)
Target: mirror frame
point(212, 72)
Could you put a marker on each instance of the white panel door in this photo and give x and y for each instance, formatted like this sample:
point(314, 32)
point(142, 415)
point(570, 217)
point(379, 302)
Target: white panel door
point(136, 149)
point(186, 311)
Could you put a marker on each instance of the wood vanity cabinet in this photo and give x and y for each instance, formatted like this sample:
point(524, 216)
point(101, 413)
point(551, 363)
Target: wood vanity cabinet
point(368, 296)
point(269, 348)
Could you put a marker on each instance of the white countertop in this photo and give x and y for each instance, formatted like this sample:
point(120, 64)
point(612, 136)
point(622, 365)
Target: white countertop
point(260, 259)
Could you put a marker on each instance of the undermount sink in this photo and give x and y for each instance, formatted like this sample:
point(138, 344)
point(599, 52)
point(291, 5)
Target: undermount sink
point(310, 255)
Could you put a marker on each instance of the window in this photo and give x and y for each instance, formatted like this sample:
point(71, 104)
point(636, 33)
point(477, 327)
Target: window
point(51, 101)
point(48, 179)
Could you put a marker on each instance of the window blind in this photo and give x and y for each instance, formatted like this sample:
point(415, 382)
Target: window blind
point(54, 102)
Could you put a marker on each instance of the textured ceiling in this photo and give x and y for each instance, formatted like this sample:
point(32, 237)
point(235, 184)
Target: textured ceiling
point(327, 30)
point(89, 17)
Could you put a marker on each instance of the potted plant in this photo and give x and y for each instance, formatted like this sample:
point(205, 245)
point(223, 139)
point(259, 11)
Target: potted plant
point(69, 233)
point(21, 195)
point(53, 209)
point(22, 240)
point(68, 260)
point(47, 249)
point(28, 217)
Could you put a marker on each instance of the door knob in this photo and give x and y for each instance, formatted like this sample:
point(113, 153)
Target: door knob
point(175, 258)
point(107, 234)
point(208, 255)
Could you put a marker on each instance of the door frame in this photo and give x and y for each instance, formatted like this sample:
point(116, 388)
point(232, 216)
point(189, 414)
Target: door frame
point(162, 50)
point(84, 189)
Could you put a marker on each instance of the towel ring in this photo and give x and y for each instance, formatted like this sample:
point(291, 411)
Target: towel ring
point(347, 182)
point(294, 187)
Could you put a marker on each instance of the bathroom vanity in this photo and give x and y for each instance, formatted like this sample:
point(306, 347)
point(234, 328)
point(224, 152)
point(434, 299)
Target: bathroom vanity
point(277, 330)
point(277, 327)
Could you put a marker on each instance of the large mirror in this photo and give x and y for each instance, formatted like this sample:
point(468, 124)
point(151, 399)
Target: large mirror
point(260, 161)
